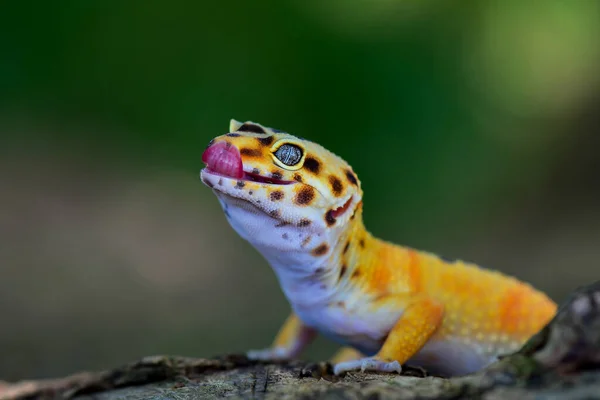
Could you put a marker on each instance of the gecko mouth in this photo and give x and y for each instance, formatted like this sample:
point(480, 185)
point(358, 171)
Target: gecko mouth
point(225, 160)
point(249, 176)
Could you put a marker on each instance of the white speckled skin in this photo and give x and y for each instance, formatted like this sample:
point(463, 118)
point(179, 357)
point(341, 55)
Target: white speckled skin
point(291, 261)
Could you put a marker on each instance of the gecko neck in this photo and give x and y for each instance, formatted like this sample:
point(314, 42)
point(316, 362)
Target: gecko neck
point(309, 275)
point(324, 279)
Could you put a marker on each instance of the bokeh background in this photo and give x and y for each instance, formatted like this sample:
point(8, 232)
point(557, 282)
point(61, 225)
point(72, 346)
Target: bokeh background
point(474, 127)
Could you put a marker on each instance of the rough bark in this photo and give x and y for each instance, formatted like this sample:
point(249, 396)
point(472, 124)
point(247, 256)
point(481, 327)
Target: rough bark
point(562, 361)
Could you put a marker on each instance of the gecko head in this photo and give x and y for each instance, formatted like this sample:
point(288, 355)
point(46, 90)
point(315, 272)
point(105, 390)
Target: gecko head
point(291, 180)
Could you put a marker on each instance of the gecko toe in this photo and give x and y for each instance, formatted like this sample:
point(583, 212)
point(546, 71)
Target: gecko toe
point(270, 354)
point(367, 364)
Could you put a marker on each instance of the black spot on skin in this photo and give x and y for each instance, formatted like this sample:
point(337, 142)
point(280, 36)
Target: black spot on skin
point(250, 192)
point(304, 222)
point(233, 134)
point(276, 195)
point(250, 152)
point(227, 144)
point(359, 204)
point(255, 171)
point(281, 223)
point(207, 183)
point(276, 175)
point(319, 270)
point(351, 177)
point(305, 196)
point(356, 273)
point(285, 236)
point(274, 213)
point(329, 218)
point(221, 182)
point(306, 240)
point(346, 247)
point(336, 185)
point(361, 243)
point(266, 141)
point(240, 184)
point(312, 164)
point(343, 270)
point(298, 177)
point(320, 249)
point(251, 128)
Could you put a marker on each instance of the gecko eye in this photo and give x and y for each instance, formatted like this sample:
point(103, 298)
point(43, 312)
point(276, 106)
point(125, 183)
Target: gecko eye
point(289, 154)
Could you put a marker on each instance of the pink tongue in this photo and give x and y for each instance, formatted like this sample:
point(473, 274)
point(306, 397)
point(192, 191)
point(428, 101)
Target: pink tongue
point(223, 159)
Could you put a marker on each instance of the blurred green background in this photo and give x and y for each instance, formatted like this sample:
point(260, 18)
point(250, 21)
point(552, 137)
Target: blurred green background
point(473, 126)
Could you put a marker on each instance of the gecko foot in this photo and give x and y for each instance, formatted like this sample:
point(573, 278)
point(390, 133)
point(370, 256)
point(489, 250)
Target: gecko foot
point(270, 354)
point(367, 364)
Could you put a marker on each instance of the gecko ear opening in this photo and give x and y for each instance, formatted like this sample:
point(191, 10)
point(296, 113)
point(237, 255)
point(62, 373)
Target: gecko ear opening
point(234, 125)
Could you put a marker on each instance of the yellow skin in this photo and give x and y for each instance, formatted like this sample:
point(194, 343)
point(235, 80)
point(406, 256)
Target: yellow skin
point(388, 304)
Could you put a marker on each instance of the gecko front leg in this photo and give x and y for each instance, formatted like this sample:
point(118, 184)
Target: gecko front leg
point(421, 318)
point(292, 338)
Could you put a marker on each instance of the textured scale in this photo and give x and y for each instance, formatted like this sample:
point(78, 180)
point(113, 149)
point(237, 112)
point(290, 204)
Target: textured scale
point(301, 206)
